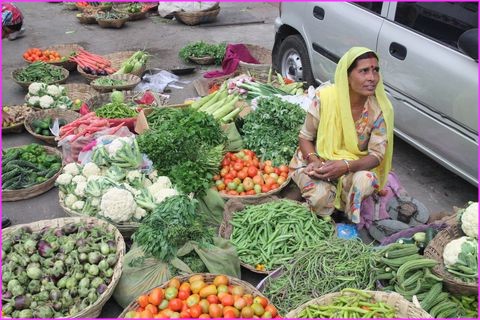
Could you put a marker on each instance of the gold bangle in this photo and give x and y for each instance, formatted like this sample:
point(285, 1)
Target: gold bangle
point(348, 165)
point(307, 157)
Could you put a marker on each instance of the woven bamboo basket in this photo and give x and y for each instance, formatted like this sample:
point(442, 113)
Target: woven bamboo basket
point(95, 309)
point(434, 251)
point(208, 279)
point(225, 230)
point(202, 60)
point(193, 18)
point(127, 229)
point(18, 127)
point(99, 8)
point(66, 50)
point(261, 70)
point(260, 195)
point(104, 98)
point(25, 84)
point(112, 23)
point(403, 307)
point(27, 193)
point(122, 8)
point(79, 91)
point(130, 80)
point(86, 19)
point(68, 115)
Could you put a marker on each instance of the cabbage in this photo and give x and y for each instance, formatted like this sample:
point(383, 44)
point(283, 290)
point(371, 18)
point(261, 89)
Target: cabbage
point(117, 97)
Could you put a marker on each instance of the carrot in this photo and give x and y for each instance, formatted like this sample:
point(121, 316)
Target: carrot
point(115, 129)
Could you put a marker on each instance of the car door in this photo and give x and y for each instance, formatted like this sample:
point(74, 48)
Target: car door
point(432, 84)
point(331, 28)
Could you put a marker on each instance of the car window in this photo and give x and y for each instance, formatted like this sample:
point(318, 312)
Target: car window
point(443, 21)
point(372, 6)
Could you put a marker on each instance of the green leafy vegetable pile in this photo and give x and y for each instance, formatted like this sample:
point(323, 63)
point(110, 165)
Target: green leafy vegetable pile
point(185, 145)
point(201, 49)
point(272, 130)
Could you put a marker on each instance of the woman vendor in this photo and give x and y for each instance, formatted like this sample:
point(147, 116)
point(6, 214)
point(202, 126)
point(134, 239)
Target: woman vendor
point(346, 142)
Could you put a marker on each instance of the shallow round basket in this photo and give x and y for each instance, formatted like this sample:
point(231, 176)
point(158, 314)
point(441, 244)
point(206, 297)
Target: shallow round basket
point(225, 230)
point(127, 229)
point(99, 8)
point(70, 5)
point(208, 279)
point(260, 195)
point(65, 50)
point(122, 8)
point(261, 70)
point(404, 308)
point(27, 193)
point(137, 16)
point(18, 127)
point(131, 82)
point(80, 91)
point(112, 23)
point(25, 85)
point(104, 98)
point(83, 19)
point(117, 58)
point(68, 115)
point(202, 60)
point(434, 251)
point(95, 309)
point(193, 18)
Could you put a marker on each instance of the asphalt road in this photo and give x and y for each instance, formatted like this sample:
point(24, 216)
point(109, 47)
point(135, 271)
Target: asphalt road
point(49, 24)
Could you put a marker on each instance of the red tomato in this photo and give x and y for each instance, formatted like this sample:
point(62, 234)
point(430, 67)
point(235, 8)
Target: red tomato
point(271, 308)
point(230, 175)
point(265, 188)
point(277, 171)
point(153, 309)
point(261, 300)
point(255, 162)
point(175, 304)
point(242, 174)
point(185, 314)
point(225, 162)
point(233, 157)
point(284, 174)
point(227, 181)
point(252, 171)
point(268, 169)
point(283, 168)
point(227, 300)
point(238, 165)
point(143, 301)
point(195, 311)
point(274, 186)
point(258, 180)
point(224, 171)
point(146, 314)
point(183, 294)
point(211, 299)
point(229, 314)
point(251, 192)
point(215, 311)
point(156, 296)
point(216, 177)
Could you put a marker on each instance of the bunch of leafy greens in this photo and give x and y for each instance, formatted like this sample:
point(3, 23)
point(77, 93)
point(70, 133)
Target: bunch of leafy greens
point(272, 129)
point(185, 145)
point(202, 49)
point(174, 222)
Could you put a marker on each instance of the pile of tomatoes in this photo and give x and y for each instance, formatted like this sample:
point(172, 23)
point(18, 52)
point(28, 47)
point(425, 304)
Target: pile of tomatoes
point(243, 173)
point(36, 54)
point(197, 299)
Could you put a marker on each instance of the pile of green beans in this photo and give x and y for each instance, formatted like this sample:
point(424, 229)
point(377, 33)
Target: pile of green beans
point(104, 81)
point(330, 266)
point(268, 235)
point(359, 305)
point(115, 111)
point(40, 72)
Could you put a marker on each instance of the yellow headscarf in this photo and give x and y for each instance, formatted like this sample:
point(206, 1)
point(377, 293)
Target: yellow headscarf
point(336, 137)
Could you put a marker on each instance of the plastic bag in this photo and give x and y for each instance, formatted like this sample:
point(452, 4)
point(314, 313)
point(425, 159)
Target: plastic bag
point(86, 153)
point(139, 276)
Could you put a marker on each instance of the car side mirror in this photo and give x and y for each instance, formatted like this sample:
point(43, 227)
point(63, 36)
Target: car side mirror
point(468, 43)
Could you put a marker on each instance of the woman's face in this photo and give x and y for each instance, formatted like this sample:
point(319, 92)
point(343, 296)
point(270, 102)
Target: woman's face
point(364, 77)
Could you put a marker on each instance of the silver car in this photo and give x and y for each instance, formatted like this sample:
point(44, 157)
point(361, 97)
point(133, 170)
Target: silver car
point(428, 56)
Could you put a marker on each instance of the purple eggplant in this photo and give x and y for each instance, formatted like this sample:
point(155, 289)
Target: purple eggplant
point(45, 249)
point(69, 228)
point(58, 233)
point(101, 288)
point(22, 302)
point(7, 295)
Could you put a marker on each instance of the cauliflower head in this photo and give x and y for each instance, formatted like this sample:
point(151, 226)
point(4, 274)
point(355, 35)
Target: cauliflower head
point(118, 205)
point(79, 179)
point(64, 179)
point(71, 168)
point(36, 88)
point(46, 102)
point(90, 169)
point(469, 220)
point(70, 199)
point(54, 91)
point(454, 248)
point(80, 189)
point(33, 101)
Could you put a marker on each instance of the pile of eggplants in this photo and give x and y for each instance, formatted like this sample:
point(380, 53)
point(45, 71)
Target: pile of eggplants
point(56, 272)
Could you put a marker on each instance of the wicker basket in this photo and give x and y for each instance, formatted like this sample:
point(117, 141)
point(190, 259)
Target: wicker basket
point(112, 23)
point(99, 8)
point(116, 59)
point(17, 128)
point(193, 18)
point(79, 91)
point(84, 19)
point(202, 60)
point(434, 251)
point(261, 70)
point(122, 8)
point(27, 193)
point(226, 229)
point(66, 50)
point(68, 115)
point(95, 309)
point(25, 85)
point(403, 307)
point(208, 278)
point(127, 229)
point(131, 82)
point(260, 195)
point(104, 98)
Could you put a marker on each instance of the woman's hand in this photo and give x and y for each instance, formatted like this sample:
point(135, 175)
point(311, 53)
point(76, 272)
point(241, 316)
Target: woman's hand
point(331, 170)
point(312, 167)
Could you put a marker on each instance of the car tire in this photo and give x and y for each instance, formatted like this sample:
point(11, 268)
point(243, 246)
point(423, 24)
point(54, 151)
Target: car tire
point(293, 61)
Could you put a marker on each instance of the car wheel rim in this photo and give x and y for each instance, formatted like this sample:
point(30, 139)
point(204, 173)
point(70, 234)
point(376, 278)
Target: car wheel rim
point(292, 66)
